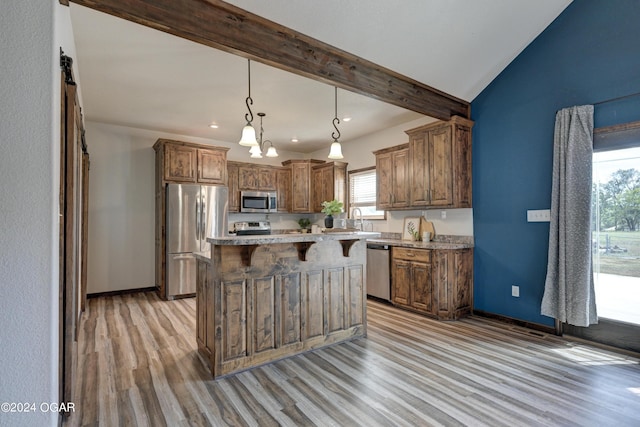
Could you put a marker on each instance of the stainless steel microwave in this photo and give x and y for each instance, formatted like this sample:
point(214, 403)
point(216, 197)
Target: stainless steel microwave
point(258, 201)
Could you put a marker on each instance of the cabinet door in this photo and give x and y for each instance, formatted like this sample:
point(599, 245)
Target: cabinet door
point(248, 178)
point(400, 189)
point(266, 179)
point(283, 187)
point(384, 181)
point(254, 177)
point(300, 176)
point(422, 289)
point(401, 274)
point(201, 303)
point(180, 163)
point(317, 194)
point(462, 195)
point(234, 189)
point(440, 167)
point(212, 167)
point(419, 193)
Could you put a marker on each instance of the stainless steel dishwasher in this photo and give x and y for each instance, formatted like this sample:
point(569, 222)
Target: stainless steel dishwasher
point(378, 278)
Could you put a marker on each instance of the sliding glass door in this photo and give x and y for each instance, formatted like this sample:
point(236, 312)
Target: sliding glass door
point(615, 238)
point(616, 234)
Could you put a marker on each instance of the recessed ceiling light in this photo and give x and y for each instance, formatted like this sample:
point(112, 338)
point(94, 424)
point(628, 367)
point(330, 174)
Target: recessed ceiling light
point(346, 119)
point(294, 139)
point(213, 126)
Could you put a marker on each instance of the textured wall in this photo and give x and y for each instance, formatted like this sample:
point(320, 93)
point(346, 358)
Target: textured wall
point(28, 292)
point(590, 53)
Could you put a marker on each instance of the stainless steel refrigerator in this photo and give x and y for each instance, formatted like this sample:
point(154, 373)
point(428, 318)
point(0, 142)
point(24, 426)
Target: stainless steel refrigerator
point(194, 212)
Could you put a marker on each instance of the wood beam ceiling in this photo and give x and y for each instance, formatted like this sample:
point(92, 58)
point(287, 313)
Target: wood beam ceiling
point(228, 28)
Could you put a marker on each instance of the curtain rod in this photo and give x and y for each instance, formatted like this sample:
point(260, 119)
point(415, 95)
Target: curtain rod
point(616, 99)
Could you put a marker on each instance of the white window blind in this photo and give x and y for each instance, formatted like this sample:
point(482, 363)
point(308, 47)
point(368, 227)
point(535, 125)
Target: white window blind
point(362, 194)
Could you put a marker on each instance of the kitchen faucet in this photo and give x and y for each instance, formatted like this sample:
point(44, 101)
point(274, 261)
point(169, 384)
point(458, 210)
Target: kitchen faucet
point(353, 215)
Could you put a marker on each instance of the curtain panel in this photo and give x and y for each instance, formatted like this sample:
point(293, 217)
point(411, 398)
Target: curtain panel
point(569, 294)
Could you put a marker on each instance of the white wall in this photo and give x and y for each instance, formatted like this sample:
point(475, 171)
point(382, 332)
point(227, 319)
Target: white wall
point(32, 32)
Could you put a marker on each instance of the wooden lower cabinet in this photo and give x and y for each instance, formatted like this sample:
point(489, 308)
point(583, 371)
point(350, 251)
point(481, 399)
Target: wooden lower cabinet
point(434, 282)
point(204, 297)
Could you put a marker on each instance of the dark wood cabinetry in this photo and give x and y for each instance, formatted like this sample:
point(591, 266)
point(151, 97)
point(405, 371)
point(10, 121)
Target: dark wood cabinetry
point(301, 187)
point(212, 166)
point(412, 284)
point(434, 282)
point(256, 177)
point(234, 189)
point(182, 162)
point(392, 175)
point(253, 177)
point(283, 187)
point(440, 168)
point(329, 183)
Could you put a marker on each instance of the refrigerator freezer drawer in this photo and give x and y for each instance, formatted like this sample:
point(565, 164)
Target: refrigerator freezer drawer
point(181, 275)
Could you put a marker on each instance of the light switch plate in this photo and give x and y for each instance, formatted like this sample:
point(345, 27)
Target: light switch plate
point(541, 215)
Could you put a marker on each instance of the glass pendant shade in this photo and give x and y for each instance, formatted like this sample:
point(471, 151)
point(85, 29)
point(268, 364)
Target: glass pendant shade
point(255, 151)
point(271, 152)
point(248, 136)
point(336, 151)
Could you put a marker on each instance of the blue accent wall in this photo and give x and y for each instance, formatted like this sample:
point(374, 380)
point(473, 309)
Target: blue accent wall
point(589, 54)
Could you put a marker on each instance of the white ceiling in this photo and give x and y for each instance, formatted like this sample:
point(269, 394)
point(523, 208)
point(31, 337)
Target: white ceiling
point(134, 76)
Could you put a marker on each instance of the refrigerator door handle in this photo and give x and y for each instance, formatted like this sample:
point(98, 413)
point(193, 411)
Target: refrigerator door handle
point(203, 218)
point(197, 218)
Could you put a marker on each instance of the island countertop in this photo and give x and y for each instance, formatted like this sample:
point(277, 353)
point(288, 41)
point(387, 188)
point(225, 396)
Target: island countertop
point(266, 297)
point(290, 238)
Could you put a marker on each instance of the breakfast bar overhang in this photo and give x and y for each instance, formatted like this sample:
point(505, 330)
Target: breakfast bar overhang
point(263, 298)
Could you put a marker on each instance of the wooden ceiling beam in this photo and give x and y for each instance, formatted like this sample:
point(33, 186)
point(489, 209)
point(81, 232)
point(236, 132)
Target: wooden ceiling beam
point(228, 28)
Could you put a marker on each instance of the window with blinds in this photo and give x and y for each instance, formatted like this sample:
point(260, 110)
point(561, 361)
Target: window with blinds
point(362, 194)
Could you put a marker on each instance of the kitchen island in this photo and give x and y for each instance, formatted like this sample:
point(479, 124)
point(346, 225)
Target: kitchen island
point(263, 298)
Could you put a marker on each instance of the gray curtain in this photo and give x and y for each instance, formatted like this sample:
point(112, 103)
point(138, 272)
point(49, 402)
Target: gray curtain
point(568, 291)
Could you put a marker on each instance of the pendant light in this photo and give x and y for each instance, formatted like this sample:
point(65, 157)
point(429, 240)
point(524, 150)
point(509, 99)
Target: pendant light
point(256, 150)
point(336, 148)
point(248, 138)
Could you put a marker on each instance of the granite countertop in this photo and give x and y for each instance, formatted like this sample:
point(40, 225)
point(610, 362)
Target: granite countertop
point(421, 245)
point(290, 238)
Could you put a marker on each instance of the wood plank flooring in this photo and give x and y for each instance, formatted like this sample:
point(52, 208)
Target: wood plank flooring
point(138, 365)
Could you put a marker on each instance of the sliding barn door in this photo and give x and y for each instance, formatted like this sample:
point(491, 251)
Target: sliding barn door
point(74, 168)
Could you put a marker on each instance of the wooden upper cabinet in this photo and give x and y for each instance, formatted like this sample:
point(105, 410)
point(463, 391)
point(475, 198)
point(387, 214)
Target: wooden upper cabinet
point(180, 163)
point(440, 170)
point(212, 166)
point(185, 162)
point(283, 187)
point(234, 188)
point(392, 177)
point(301, 187)
point(329, 183)
point(256, 177)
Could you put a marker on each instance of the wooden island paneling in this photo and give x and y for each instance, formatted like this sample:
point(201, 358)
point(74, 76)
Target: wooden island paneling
point(262, 298)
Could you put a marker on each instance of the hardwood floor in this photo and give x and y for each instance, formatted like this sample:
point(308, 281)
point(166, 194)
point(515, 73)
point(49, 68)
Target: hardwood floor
point(138, 365)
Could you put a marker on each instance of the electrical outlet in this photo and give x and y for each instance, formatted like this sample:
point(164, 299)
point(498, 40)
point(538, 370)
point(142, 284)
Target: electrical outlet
point(515, 291)
point(443, 214)
point(540, 215)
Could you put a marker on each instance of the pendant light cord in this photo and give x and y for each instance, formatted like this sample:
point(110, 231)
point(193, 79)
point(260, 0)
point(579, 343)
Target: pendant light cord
point(336, 120)
point(249, 101)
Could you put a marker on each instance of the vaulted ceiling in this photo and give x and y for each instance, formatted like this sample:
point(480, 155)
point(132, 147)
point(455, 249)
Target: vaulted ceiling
point(135, 76)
